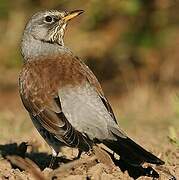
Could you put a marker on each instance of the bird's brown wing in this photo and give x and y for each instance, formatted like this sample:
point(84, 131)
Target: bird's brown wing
point(39, 93)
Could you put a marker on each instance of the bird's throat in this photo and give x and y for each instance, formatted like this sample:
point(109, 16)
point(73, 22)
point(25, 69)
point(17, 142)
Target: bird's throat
point(32, 48)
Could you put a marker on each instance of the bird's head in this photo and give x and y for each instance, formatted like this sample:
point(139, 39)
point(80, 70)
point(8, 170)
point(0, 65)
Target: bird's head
point(49, 26)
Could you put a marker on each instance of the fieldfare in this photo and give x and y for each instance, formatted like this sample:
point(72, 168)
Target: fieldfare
point(63, 97)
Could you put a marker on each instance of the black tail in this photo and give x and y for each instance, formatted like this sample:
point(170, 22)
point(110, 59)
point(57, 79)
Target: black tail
point(131, 152)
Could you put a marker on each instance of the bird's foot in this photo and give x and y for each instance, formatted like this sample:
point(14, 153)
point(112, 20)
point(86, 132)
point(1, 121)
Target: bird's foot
point(52, 161)
point(54, 156)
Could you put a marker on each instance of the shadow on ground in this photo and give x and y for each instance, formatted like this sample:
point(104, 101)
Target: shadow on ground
point(41, 159)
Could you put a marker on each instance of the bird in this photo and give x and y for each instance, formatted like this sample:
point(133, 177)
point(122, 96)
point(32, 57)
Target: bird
point(63, 97)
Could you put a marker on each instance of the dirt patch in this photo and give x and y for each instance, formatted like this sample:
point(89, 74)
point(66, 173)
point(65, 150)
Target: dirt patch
point(21, 162)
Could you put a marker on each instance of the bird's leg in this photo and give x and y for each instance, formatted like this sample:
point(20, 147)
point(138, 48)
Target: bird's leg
point(79, 154)
point(54, 156)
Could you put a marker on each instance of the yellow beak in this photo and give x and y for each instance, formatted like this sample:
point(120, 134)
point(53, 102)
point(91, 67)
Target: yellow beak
point(72, 14)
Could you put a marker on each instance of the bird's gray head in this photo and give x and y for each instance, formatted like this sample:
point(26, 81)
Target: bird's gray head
point(46, 27)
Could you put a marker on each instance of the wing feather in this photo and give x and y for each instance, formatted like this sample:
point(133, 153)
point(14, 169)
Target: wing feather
point(95, 83)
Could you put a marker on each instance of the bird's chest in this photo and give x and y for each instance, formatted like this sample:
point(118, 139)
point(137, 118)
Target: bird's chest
point(41, 81)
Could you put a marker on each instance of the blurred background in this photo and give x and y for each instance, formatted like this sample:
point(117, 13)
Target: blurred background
point(132, 46)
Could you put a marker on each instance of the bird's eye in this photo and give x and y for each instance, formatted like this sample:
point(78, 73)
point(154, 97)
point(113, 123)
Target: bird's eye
point(48, 19)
